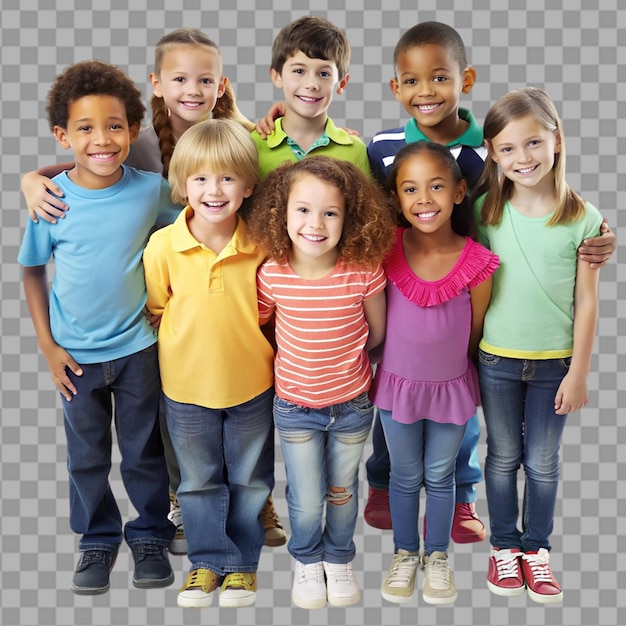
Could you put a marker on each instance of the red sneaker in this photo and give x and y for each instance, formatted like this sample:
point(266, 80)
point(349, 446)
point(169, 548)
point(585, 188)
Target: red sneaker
point(541, 584)
point(466, 525)
point(505, 576)
point(377, 513)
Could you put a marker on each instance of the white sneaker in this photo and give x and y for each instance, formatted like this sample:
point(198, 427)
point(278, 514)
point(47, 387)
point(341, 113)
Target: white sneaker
point(439, 585)
point(178, 545)
point(399, 585)
point(309, 587)
point(341, 584)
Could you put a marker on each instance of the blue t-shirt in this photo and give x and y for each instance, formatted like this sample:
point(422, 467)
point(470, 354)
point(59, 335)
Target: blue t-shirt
point(99, 292)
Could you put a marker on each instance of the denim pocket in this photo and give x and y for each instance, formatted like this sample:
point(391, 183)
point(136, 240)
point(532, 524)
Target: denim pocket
point(285, 407)
point(487, 359)
point(360, 404)
point(565, 362)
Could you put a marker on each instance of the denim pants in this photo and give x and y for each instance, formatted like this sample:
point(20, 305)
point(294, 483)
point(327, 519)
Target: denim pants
point(421, 454)
point(226, 461)
point(127, 389)
point(522, 429)
point(467, 470)
point(322, 450)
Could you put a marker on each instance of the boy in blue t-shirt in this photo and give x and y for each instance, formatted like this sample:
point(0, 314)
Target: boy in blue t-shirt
point(431, 73)
point(91, 326)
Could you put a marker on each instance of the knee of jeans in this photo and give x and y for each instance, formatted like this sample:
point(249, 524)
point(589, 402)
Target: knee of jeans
point(337, 495)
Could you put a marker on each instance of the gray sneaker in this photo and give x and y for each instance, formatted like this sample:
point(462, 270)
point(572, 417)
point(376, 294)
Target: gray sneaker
point(91, 576)
point(152, 567)
point(399, 585)
point(439, 585)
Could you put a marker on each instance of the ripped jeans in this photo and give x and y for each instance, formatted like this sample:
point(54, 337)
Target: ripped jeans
point(322, 449)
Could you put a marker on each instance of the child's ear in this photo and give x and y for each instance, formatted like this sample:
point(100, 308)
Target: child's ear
point(276, 79)
point(133, 131)
point(461, 190)
point(469, 78)
point(60, 134)
point(156, 85)
point(221, 88)
point(342, 84)
point(557, 145)
point(395, 87)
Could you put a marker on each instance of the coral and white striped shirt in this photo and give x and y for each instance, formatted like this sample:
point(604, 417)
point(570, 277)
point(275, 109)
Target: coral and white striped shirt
point(321, 331)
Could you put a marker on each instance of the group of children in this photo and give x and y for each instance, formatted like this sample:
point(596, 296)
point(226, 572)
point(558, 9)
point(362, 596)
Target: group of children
point(300, 280)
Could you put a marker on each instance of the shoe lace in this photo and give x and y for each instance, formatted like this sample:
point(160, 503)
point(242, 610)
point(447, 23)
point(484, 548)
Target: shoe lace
point(402, 569)
point(507, 564)
point(269, 517)
point(311, 573)
point(150, 552)
point(540, 566)
point(201, 578)
point(438, 572)
point(341, 573)
point(93, 556)
point(238, 580)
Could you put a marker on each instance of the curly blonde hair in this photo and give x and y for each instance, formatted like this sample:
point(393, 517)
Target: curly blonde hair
point(368, 228)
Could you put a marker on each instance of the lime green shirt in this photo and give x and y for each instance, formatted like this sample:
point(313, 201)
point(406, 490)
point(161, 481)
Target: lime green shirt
point(211, 350)
point(335, 142)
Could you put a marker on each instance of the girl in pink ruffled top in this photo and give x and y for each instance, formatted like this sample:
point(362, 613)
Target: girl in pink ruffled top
point(426, 386)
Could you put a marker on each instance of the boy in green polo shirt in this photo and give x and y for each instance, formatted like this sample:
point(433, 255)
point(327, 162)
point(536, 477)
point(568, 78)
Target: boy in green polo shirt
point(310, 60)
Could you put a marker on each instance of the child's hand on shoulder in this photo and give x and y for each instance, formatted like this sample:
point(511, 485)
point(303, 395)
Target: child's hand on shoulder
point(265, 126)
point(43, 198)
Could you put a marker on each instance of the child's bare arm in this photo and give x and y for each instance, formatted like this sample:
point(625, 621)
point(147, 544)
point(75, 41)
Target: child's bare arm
point(43, 197)
point(479, 298)
point(58, 359)
point(376, 316)
point(572, 393)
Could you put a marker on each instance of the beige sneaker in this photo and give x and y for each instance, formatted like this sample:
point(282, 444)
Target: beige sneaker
point(399, 585)
point(274, 533)
point(439, 585)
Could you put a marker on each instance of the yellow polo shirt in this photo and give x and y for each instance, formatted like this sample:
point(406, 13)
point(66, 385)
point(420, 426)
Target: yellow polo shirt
point(212, 352)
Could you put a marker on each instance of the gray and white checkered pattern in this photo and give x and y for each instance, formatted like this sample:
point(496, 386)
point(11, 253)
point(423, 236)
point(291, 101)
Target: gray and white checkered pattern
point(574, 48)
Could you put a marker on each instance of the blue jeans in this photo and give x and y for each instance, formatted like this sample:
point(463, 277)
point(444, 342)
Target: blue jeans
point(226, 461)
point(421, 454)
point(133, 382)
point(522, 429)
point(322, 449)
point(467, 471)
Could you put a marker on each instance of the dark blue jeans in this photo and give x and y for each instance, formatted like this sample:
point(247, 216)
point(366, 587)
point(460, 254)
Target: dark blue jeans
point(522, 430)
point(467, 472)
point(126, 390)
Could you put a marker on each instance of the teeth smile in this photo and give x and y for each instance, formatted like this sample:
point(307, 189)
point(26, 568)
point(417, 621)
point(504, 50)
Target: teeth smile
point(309, 99)
point(193, 105)
point(314, 237)
point(103, 156)
point(427, 215)
point(427, 107)
point(527, 170)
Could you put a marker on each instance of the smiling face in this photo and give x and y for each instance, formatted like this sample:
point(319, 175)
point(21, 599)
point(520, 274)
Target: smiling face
point(308, 84)
point(216, 197)
point(100, 137)
point(525, 151)
point(429, 83)
point(315, 216)
point(427, 192)
point(190, 82)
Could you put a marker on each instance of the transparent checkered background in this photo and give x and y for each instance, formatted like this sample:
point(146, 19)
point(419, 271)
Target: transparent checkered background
point(571, 48)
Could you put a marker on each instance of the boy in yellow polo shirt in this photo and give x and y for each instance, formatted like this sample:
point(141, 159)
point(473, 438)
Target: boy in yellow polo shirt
point(216, 364)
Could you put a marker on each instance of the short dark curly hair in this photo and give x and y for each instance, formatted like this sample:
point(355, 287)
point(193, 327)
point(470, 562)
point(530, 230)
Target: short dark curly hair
point(368, 228)
point(92, 78)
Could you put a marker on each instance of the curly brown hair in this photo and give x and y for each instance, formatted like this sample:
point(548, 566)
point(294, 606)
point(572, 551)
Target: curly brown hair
point(368, 228)
point(92, 78)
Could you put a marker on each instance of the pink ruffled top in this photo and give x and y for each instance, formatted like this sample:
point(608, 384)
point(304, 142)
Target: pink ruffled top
point(425, 371)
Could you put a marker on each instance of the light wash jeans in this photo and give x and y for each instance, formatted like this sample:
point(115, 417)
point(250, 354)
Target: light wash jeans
point(322, 448)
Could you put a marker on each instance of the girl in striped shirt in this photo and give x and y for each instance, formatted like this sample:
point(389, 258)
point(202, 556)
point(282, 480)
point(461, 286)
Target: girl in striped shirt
point(326, 229)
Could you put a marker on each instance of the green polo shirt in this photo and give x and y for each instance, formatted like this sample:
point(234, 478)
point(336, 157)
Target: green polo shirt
point(335, 142)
